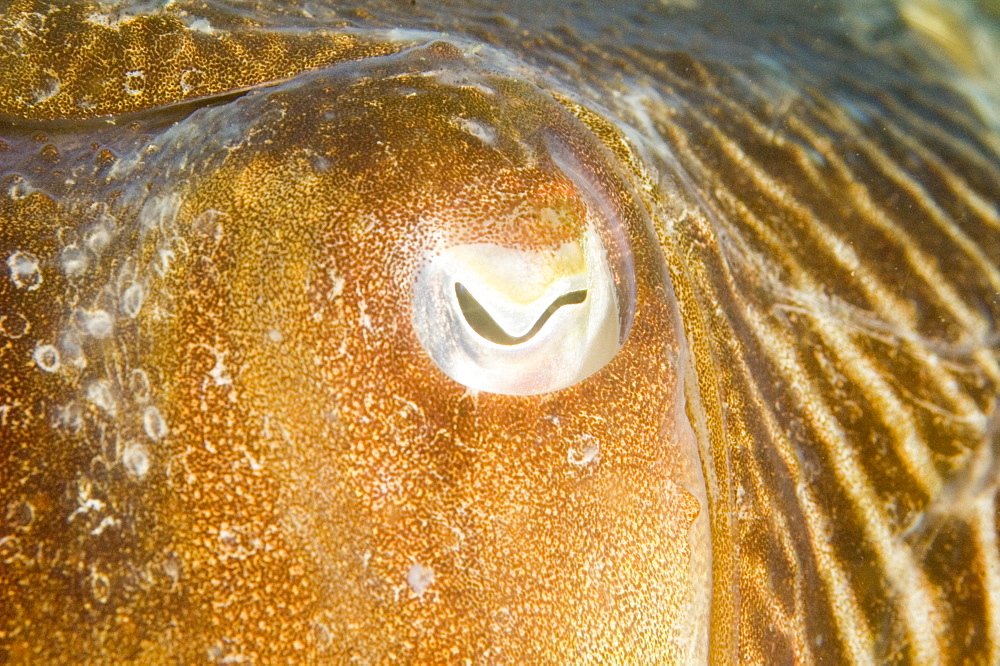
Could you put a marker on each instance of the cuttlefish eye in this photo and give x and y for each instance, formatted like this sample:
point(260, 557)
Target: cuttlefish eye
point(521, 321)
point(524, 280)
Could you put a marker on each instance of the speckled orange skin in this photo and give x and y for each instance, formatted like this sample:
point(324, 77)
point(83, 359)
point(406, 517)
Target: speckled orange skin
point(308, 453)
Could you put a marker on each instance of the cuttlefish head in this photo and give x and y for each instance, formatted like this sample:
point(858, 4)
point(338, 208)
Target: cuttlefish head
point(417, 377)
point(505, 234)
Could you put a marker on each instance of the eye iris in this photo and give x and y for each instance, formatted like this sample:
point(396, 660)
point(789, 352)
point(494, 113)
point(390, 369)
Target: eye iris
point(520, 321)
point(483, 323)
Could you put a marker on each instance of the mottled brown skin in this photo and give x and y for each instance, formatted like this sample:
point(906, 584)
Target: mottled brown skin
point(311, 452)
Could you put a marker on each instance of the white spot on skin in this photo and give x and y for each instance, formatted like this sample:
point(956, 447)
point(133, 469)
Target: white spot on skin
point(420, 578)
point(104, 20)
point(172, 568)
point(132, 300)
point(135, 457)
point(166, 256)
point(98, 239)
point(135, 82)
point(235, 542)
point(201, 25)
point(274, 335)
point(255, 466)
point(99, 393)
point(19, 189)
point(153, 423)
point(364, 317)
point(218, 373)
point(321, 163)
point(48, 87)
point(588, 452)
point(97, 323)
point(74, 261)
point(106, 522)
point(85, 504)
point(69, 417)
point(209, 224)
point(189, 80)
point(24, 271)
point(337, 283)
point(46, 357)
point(484, 133)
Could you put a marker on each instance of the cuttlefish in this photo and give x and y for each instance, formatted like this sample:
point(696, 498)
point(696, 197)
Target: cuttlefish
point(469, 332)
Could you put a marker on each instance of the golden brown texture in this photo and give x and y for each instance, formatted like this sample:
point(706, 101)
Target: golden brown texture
point(257, 460)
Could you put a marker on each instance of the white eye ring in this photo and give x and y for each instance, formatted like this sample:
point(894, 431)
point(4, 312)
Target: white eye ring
point(518, 322)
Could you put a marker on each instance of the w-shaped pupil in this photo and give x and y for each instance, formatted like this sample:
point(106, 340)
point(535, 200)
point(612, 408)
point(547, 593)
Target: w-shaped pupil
point(483, 324)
